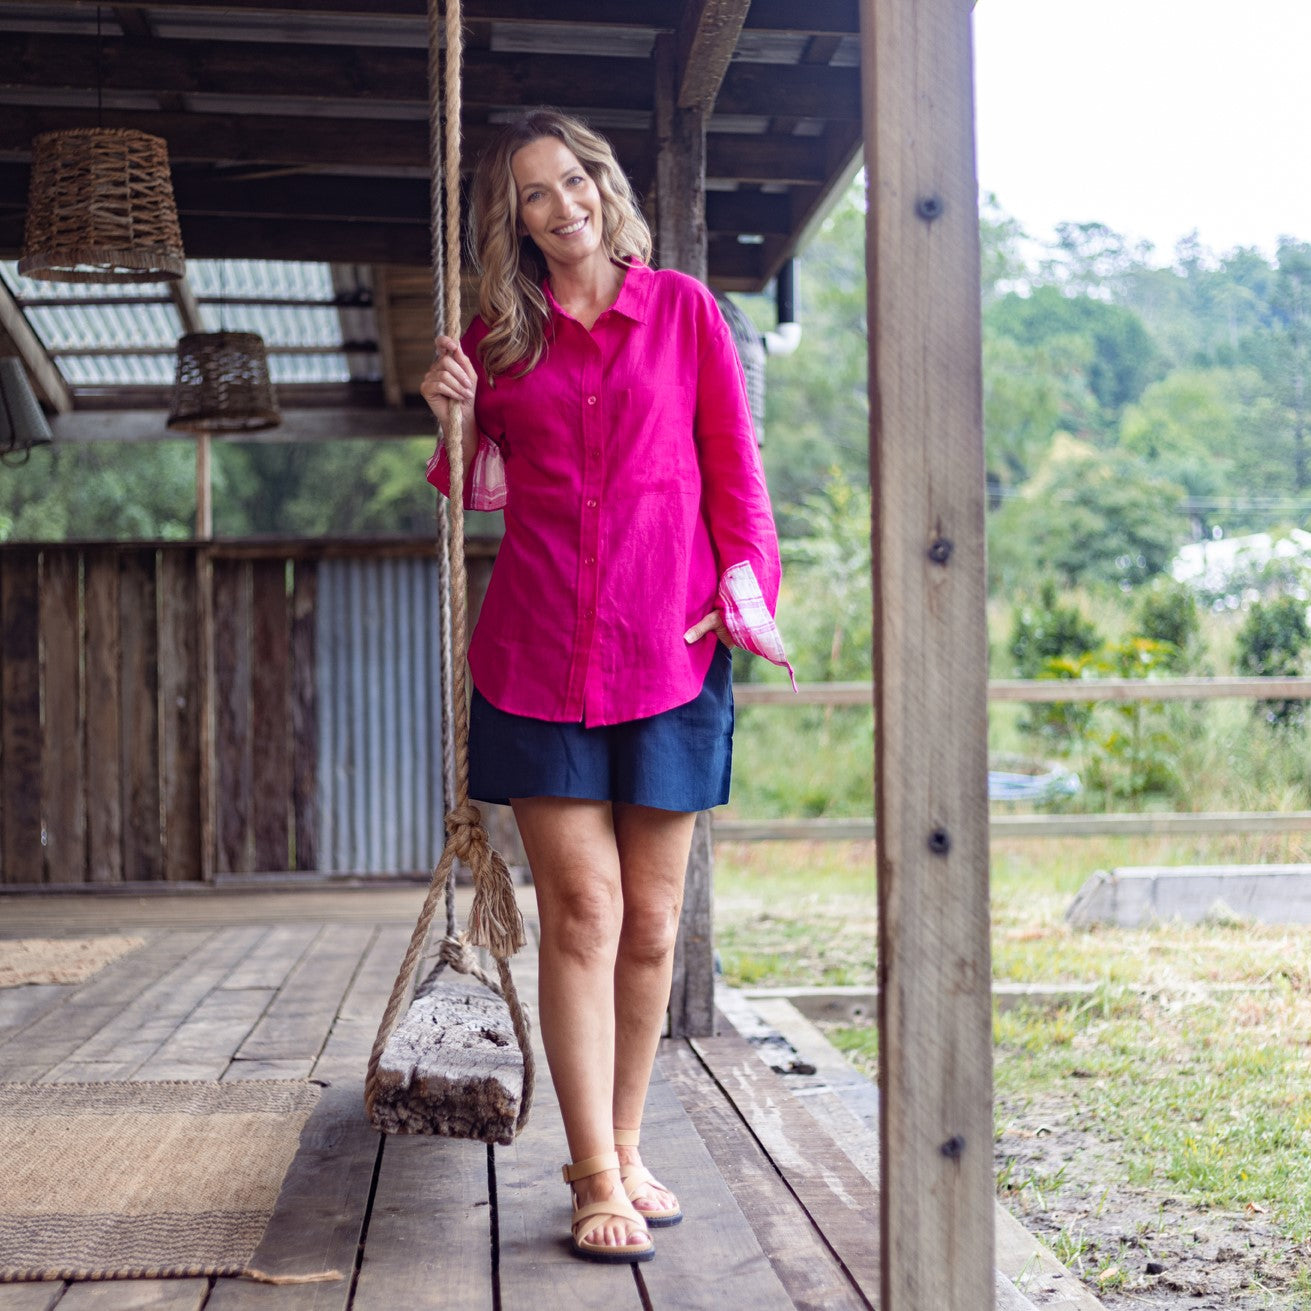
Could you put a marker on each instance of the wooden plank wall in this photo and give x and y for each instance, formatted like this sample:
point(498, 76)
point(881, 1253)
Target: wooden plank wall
point(159, 712)
point(99, 717)
point(102, 709)
point(265, 722)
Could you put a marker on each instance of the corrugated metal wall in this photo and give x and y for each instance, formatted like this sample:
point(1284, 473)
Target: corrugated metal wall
point(379, 706)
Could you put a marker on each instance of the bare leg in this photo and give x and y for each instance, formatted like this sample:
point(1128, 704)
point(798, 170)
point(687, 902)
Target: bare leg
point(653, 847)
point(575, 863)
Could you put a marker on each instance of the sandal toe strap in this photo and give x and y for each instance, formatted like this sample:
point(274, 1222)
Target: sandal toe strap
point(635, 1177)
point(617, 1207)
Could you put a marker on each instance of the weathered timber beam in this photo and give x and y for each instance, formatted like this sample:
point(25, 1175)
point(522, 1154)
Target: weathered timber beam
point(931, 657)
point(389, 75)
point(707, 38)
point(325, 197)
point(400, 146)
point(83, 426)
point(184, 301)
point(46, 378)
point(319, 72)
point(817, 17)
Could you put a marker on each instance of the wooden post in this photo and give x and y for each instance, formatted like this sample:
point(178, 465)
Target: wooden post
point(204, 489)
point(930, 640)
point(682, 244)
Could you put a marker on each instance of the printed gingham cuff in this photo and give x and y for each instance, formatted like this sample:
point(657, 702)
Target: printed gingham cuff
point(747, 617)
point(487, 482)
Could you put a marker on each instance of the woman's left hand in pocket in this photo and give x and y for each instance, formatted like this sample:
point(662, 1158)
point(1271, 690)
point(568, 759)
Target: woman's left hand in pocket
point(712, 623)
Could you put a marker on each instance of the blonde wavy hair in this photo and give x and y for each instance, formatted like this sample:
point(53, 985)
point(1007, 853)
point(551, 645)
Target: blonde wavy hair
point(512, 269)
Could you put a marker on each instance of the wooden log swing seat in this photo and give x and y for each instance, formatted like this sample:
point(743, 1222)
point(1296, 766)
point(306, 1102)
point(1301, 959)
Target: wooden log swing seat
point(460, 1062)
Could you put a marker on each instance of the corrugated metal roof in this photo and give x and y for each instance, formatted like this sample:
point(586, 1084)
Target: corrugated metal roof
point(102, 335)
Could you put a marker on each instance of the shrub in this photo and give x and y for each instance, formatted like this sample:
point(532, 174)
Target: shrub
point(1167, 614)
point(1052, 640)
point(1272, 643)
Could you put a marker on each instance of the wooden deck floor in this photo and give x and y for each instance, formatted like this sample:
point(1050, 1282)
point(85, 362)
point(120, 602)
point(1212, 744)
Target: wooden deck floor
point(269, 985)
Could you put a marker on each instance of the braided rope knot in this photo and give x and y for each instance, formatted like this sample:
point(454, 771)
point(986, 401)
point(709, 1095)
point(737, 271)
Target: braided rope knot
point(456, 952)
point(465, 834)
point(495, 921)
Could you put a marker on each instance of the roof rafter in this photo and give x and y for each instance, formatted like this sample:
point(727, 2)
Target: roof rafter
point(350, 74)
point(707, 38)
point(47, 379)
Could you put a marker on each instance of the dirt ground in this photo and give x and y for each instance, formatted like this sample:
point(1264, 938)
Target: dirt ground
point(1133, 1247)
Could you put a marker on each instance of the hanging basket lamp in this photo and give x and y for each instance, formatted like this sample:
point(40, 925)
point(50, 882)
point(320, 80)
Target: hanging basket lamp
point(101, 209)
point(223, 384)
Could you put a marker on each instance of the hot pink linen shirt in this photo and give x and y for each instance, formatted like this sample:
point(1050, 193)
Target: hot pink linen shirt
point(635, 502)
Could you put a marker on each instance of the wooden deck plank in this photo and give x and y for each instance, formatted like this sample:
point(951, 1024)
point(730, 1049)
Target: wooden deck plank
point(274, 958)
point(537, 1268)
point(813, 1277)
point(40, 1296)
point(841, 1202)
point(320, 1214)
point(140, 1028)
point(31, 1052)
point(20, 1007)
point(298, 1022)
point(203, 1045)
point(63, 782)
point(714, 1258)
point(136, 1295)
point(429, 1239)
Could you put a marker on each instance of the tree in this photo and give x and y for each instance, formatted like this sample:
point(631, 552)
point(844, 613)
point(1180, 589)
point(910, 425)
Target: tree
point(1124, 359)
point(1087, 516)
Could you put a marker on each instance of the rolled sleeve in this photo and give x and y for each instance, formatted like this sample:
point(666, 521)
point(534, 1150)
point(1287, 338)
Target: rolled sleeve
point(484, 479)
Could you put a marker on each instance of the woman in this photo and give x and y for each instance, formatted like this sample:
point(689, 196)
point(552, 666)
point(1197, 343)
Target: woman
point(604, 410)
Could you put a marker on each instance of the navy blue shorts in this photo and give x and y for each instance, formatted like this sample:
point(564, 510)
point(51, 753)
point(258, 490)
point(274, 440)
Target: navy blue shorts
point(677, 760)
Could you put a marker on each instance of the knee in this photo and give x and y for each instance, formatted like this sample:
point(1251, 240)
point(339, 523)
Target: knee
point(649, 932)
point(584, 922)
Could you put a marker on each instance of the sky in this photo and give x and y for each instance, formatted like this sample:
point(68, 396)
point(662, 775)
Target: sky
point(1155, 117)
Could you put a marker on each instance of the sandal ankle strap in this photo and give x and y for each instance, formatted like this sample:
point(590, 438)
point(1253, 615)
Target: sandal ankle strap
point(627, 1137)
point(590, 1165)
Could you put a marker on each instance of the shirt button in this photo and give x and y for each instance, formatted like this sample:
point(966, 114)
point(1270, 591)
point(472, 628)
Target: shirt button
point(591, 559)
point(594, 452)
point(591, 504)
point(587, 614)
point(591, 400)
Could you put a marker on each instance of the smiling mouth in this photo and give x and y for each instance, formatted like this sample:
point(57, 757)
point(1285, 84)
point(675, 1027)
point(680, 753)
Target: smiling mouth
point(571, 228)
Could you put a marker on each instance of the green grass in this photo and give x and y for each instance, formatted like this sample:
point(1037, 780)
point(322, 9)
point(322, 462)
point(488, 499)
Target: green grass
point(1190, 1060)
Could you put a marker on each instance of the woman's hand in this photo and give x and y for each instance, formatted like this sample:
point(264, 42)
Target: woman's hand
point(713, 622)
point(451, 381)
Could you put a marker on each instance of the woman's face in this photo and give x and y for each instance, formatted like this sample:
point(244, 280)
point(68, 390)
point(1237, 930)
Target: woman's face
point(559, 205)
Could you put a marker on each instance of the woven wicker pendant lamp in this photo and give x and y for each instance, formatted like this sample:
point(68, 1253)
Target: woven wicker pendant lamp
point(101, 209)
point(223, 384)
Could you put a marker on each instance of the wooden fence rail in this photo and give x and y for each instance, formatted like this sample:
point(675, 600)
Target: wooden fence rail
point(1043, 689)
point(1038, 826)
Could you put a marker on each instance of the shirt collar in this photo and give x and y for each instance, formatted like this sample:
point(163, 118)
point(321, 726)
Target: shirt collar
point(633, 295)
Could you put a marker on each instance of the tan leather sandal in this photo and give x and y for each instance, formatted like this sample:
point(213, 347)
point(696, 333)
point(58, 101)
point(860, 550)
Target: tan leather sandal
point(616, 1206)
point(638, 1176)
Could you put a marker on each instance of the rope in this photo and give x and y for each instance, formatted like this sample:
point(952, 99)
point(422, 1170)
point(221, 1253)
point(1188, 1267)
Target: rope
point(494, 921)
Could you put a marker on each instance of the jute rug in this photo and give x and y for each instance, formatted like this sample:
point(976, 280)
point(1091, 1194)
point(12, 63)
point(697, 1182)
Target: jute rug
point(58, 960)
point(142, 1180)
